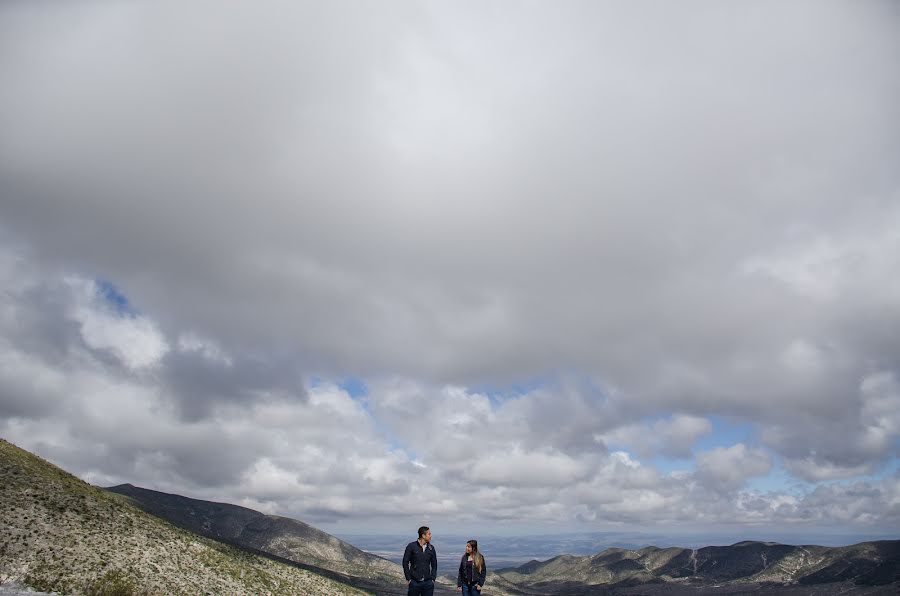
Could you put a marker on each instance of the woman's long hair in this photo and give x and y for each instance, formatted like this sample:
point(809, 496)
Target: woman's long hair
point(476, 556)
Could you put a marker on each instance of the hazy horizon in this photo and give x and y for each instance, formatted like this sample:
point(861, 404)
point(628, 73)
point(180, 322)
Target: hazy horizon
point(514, 550)
point(593, 266)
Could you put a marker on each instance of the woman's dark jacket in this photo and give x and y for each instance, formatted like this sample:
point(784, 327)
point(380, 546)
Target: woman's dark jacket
point(476, 578)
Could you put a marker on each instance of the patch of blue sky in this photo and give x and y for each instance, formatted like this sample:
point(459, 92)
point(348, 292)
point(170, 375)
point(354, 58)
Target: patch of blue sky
point(395, 445)
point(589, 387)
point(725, 433)
point(499, 393)
point(384, 431)
point(114, 298)
point(358, 391)
point(890, 469)
point(668, 465)
point(778, 480)
point(354, 386)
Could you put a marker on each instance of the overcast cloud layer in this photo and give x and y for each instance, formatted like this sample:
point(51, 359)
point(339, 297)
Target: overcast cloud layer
point(497, 265)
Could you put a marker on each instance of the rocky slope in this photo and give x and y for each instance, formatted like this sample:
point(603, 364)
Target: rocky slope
point(747, 564)
point(63, 535)
point(280, 536)
point(293, 540)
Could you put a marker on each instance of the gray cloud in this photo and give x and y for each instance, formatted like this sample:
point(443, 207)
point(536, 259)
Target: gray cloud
point(663, 214)
point(202, 381)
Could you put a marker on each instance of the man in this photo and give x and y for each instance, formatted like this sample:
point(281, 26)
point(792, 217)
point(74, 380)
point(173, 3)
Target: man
point(420, 565)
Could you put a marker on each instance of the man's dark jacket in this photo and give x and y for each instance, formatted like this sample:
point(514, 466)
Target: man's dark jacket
point(419, 564)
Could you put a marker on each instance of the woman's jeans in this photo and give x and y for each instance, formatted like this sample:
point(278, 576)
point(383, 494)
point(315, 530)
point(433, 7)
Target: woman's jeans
point(470, 590)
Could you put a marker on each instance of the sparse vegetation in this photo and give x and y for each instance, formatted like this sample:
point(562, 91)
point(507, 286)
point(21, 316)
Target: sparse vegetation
point(64, 535)
point(113, 583)
point(285, 538)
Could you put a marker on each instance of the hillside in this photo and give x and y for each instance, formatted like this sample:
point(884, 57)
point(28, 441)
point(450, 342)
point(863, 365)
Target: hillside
point(867, 567)
point(284, 537)
point(61, 534)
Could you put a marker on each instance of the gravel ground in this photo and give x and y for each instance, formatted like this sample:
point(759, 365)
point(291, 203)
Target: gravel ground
point(17, 589)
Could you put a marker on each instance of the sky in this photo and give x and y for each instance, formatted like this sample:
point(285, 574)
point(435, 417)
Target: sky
point(500, 267)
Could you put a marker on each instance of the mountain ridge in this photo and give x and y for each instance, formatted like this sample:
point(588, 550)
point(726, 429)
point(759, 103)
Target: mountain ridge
point(865, 565)
point(283, 537)
point(63, 535)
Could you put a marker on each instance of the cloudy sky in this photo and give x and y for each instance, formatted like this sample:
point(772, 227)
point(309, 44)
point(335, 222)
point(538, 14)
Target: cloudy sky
point(495, 266)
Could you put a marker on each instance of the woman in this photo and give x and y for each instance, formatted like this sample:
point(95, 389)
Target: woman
point(472, 571)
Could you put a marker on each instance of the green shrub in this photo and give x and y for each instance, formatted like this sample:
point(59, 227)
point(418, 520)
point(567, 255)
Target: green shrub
point(113, 583)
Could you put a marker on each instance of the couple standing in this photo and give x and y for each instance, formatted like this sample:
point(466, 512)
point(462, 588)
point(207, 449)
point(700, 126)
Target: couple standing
point(420, 567)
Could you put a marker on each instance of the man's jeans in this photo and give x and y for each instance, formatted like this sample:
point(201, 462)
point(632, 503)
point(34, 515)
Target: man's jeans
point(425, 588)
point(468, 590)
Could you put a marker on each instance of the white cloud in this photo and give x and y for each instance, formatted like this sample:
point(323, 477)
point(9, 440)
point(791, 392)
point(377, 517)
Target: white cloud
point(816, 469)
point(880, 413)
point(673, 436)
point(191, 342)
point(134, 340)
point(520, 469)
point(728, 468)
point(855, 441)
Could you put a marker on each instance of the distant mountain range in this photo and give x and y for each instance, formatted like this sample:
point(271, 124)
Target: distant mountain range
point(867, 567)
point(61, 534)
